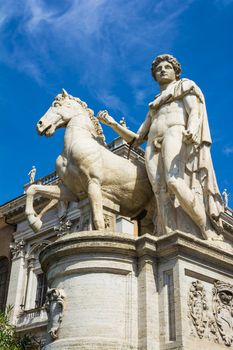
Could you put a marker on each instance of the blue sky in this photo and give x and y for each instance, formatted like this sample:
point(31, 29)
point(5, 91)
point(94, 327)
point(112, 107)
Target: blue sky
point(101, 51)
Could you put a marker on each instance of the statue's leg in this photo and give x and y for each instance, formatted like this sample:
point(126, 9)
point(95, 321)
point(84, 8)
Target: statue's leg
point(53, 192)
point(165, 217)
point(96, 201)
point(173, 152)
point(62, 209)
point(148, 224)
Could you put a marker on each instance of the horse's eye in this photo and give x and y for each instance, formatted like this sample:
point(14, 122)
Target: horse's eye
point(56, 104)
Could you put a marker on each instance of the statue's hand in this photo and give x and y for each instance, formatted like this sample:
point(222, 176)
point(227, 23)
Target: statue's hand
point(105, 118)
point(190, 136)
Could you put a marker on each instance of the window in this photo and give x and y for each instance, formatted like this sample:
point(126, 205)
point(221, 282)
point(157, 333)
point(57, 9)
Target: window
point(4, 274)
point(41, 290)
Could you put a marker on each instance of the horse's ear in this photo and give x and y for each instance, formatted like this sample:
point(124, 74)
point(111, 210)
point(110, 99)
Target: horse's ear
point(64, 93)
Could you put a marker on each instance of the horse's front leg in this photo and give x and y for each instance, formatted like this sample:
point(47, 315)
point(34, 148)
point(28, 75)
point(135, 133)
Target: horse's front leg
point(96, 201)
point(34, 222)
point(55, 193)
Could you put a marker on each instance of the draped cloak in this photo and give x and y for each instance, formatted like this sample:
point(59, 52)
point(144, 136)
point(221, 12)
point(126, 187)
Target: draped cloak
point(199, 164)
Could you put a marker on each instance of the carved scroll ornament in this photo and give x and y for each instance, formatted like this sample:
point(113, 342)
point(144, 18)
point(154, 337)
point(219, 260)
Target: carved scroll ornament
point(223, 310)
point(54, 306)
point(198, 307)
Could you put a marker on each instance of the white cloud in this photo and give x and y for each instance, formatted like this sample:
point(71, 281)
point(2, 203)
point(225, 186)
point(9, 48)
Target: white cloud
point(94, 36)
point(114, 102)
point(38, 14)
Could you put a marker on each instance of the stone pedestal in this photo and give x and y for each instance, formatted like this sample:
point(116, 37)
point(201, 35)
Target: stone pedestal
point(95, 275)
point(112, 291)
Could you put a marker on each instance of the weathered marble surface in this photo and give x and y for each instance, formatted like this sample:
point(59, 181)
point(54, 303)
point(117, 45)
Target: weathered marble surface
point(87, 169)
point(109, 290)
point(96, 271)
point(147, 293)
point(178, 160)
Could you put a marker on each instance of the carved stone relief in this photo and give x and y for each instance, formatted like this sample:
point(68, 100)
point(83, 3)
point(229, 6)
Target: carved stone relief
point(223, 310)
point(18, 248)
point(64, 227)
point(213, 334)
point(198, 307)
point(109, 222)
point(215, 322)
point(54, 306)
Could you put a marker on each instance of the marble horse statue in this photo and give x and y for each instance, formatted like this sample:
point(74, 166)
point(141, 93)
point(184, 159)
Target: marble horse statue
point(87, 168)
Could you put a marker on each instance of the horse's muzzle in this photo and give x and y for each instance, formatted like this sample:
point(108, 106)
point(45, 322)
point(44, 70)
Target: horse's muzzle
point(41, 129)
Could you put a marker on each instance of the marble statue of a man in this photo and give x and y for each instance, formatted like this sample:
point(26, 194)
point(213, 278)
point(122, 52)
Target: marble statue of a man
point(225, 195)
point(32, 174)
point(177, 155)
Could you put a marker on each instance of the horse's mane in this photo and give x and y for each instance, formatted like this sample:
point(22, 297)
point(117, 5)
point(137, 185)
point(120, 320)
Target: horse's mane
point(98, 129)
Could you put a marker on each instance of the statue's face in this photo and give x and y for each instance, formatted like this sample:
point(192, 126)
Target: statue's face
point(165, 73)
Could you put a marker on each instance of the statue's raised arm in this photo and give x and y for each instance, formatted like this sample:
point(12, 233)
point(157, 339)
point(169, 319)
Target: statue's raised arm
point(126, 134)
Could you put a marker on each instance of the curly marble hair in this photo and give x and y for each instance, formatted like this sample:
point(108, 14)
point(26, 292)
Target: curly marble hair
point(169, 58)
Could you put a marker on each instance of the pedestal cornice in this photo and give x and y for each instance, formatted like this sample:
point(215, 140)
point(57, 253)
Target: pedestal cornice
point(182, 244)
point(174, 244)
point(87, 242)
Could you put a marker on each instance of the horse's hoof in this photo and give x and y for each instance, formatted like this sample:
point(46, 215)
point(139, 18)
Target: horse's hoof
point(36, 226)
point(35, 223)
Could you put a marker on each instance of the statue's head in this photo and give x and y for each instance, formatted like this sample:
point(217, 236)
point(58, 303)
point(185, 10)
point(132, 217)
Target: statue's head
point(166, 58)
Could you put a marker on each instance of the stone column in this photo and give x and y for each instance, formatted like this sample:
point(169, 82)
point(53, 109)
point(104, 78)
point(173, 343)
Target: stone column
point(92, 300)
point(31, 284)
point(17, 279)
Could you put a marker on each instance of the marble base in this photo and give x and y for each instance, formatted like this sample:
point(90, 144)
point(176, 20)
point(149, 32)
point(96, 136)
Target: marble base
point(112, 291)
point(96, 272)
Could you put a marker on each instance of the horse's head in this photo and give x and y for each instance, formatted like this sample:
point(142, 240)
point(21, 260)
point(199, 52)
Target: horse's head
point(63, 108)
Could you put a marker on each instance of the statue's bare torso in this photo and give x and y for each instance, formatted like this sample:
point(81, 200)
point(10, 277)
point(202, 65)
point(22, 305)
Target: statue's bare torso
point(169, 115)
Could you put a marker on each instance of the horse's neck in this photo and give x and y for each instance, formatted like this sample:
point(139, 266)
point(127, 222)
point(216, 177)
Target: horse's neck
point(80, 120)
point(79, 127)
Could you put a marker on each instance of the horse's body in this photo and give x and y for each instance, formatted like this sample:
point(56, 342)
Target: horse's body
point(88, 169)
